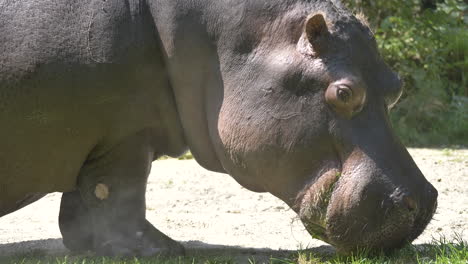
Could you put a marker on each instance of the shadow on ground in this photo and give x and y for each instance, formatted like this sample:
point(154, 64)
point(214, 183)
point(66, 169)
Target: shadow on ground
point(55, 248)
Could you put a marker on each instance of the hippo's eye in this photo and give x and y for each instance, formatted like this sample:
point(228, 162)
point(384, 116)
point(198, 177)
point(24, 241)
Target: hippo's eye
point(345, 97)
point(344, 94)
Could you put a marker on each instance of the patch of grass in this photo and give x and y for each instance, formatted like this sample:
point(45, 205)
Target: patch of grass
point(454, 156)
point(447, 152)
point(169, 184)
point(186, 156)
point(107, 260)
point(439, 251)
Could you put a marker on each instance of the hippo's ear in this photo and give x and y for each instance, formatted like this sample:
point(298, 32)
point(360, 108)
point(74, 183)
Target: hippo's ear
point(316, 31)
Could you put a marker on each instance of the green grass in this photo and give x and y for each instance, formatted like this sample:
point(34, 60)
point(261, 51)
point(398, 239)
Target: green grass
point(437, 252)
point(186, 156)
point(440, 251)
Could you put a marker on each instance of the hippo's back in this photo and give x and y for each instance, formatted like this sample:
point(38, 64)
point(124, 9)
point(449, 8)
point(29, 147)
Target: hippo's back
point(75, 77)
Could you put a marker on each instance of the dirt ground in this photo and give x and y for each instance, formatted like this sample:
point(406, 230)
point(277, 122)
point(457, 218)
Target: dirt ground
point(210, 212)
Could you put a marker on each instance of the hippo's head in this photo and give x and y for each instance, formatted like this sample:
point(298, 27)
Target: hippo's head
point(303, 114)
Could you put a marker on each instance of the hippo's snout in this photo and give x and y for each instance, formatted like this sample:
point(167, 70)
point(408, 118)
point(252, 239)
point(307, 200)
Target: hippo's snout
point(379, 220)
point(356, 208)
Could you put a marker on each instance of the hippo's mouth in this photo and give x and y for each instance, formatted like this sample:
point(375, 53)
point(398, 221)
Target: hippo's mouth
point(314, 202)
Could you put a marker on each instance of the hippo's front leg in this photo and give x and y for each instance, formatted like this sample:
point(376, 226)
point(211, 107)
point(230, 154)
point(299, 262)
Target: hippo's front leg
point(111, 212)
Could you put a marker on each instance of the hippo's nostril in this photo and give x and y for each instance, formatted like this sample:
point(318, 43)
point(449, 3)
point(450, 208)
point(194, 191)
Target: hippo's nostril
point(410, 203)
point(404, 201)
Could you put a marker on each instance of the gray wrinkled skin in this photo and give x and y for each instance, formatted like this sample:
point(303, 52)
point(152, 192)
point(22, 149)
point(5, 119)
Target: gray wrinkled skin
point(288, 97)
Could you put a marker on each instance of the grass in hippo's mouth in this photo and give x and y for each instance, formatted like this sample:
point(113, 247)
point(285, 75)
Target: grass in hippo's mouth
point(440, 251)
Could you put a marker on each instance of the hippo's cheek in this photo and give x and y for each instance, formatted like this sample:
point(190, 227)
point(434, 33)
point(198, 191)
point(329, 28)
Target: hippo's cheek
point(314, 204)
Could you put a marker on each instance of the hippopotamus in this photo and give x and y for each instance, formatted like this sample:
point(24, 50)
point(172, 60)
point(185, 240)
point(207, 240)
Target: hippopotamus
point(288, 97)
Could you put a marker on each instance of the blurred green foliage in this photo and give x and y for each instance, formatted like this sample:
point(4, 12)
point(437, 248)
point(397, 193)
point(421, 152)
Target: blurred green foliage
point(428, 48)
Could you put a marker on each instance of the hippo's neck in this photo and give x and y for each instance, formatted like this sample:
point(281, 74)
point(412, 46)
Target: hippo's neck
point(193, 66)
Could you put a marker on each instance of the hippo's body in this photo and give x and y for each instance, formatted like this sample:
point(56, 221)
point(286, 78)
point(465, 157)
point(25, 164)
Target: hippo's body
point(288, 97)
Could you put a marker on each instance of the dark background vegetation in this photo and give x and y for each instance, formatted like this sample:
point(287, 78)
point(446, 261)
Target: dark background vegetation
point(426, 42)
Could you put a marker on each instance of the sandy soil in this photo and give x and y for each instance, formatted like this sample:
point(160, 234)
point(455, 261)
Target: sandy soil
point(210, 212)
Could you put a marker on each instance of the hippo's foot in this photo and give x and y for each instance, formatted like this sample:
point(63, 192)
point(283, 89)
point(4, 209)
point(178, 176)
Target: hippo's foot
point(107, 212)
point(116, 238)
point(147, 241)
